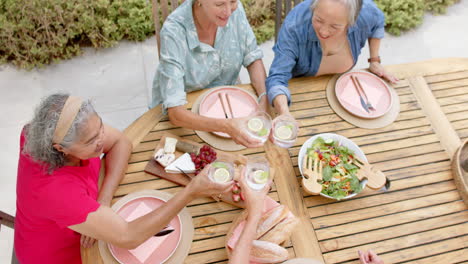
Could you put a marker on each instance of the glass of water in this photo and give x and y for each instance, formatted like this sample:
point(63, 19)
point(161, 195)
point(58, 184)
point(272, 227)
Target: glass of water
point(285, 130)
point(257, 173)
point(221, 171)
point(258, 126)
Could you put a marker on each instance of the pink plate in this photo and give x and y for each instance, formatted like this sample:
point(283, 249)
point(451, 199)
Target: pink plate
point(242, 102)
point(155, 249)
point(376, 90)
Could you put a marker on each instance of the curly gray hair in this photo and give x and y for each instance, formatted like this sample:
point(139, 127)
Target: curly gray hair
point(40, 131)
point(353, 7)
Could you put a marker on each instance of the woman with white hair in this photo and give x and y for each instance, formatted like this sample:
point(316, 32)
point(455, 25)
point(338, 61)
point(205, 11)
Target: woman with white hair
point(58, 201)
point(321, 37)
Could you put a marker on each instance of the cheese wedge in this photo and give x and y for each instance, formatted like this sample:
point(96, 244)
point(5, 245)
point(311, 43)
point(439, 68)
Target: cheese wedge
point(163, 158)
point(184, 162)
point(170, 145)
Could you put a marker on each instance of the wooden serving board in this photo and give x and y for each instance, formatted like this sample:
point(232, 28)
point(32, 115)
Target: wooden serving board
point(154, 168)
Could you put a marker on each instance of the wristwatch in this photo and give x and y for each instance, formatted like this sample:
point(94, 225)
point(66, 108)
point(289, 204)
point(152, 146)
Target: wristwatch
point(374, 59)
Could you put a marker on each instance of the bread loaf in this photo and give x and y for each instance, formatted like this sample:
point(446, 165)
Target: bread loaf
point(281, 231)
point(267, 252)
point(270, 219)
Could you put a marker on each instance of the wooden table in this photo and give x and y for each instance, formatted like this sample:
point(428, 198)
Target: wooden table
point(422, 219)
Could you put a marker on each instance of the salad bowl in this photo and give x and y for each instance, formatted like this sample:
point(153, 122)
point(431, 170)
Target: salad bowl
point(331, 138)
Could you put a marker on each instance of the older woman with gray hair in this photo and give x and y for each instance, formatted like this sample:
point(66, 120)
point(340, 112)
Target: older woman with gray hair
point(321, 37)
point(59, 204)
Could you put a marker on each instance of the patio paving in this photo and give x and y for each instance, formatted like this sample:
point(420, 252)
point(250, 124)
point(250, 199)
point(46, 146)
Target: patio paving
point(119, 81)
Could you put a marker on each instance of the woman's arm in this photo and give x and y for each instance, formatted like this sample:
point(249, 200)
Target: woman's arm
point(241, 253)
point(375, 66)
point(118, 149)
point(257, 75)
point(180, 116)
point(281, 105)
point(254, 201)
point(106, 225)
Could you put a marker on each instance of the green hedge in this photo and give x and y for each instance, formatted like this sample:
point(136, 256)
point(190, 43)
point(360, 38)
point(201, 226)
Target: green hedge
point(401, 14)
point(38, 32)
point(34, 33)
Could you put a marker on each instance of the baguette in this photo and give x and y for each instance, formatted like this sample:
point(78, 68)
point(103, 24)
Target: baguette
point(266, 252)
point(281, 231)
point(270, 219)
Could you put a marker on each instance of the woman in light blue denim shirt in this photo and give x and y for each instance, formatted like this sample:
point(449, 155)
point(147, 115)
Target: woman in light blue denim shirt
point(322, 37)
point(204, 43)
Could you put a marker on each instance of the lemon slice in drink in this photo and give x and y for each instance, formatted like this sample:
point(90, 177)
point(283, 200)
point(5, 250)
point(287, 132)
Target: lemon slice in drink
point(260, 176)
point(221, 175)
point(255, 124)
point(284, 132)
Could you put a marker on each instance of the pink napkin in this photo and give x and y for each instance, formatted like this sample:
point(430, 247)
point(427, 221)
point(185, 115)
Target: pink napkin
point(144, 251)
point(269, 204)
point(350, 95)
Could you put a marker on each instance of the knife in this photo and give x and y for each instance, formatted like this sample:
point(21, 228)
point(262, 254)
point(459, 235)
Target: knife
point(183, 172)
point(363, 103)
point(164, 232)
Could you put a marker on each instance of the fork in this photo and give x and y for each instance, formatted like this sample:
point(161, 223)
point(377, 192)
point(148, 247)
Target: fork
point(369, 105)
point(312, 170)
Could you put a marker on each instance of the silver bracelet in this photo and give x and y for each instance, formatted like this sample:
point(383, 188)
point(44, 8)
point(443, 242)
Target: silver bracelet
point(260, 96)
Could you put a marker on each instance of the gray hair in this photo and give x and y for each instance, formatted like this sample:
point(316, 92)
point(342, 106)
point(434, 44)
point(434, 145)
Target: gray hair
point(353, 7)
point(40, 131)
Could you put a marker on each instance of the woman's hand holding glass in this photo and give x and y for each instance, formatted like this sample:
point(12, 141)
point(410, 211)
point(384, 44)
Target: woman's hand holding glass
point(284, 130)
point(237, 131)
point(201, 185)
point(254, 199)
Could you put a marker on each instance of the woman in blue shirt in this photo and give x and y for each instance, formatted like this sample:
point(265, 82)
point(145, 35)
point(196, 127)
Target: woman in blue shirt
point(322, 37)
point(204, 43)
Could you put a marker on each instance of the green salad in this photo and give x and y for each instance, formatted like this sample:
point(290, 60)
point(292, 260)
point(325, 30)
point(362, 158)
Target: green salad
point(339, 173)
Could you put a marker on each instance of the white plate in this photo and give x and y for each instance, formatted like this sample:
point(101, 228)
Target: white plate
point(343, 141)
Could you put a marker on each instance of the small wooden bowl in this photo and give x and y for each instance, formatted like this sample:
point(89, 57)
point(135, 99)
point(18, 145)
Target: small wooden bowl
point(460, 170)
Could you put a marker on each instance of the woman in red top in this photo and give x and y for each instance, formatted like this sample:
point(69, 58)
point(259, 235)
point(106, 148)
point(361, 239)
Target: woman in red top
point(58, 202)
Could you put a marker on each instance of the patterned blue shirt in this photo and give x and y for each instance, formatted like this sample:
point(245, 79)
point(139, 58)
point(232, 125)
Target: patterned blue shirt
point(298, 52)
point(187, 65)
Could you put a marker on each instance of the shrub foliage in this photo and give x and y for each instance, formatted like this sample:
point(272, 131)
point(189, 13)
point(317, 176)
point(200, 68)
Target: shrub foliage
point(38, 32)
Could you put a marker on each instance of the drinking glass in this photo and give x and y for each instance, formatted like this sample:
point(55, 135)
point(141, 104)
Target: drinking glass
point(285, 130)
point(258, 126)
point(221, 171)
point(257, 173)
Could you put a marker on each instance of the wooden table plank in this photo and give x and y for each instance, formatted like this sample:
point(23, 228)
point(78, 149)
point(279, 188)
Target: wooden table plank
point(448, 76)
point(394, 231)
point(390, 220)
point(448, 84)
point(408, 188)
point(383, 210)
point(303, 239)
point(457, 256)
point(400, 243)
point(448, 137)
point(430, 249)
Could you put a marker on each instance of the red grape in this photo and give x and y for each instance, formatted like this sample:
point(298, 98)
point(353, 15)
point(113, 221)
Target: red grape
point(205, 156)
